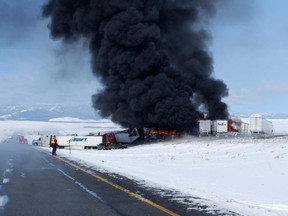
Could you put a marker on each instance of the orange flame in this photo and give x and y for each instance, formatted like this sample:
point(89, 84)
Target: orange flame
point(171, 133)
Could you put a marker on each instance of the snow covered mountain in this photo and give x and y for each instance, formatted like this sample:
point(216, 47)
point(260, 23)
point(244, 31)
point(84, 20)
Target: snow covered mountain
point(45, 112)
point(265, 115)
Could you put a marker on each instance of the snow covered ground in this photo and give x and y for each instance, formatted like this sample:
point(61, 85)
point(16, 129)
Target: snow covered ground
point(242, 174)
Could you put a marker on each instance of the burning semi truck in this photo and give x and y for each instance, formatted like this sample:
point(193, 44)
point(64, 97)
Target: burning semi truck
point(121, 139)
point(218, 127)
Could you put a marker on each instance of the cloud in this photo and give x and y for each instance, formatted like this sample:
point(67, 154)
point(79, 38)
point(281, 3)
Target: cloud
point(276, 87)
point(17, 19)
point(35, 68)
point(240, 96)
point(232, 12)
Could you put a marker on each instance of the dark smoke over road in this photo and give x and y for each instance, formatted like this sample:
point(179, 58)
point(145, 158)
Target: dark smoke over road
point(151, 56)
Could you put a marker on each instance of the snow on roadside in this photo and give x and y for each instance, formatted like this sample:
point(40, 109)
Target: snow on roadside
point(33, 129)
point(245, 175)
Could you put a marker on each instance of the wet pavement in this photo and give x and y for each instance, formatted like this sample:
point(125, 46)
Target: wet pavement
point(33, 182)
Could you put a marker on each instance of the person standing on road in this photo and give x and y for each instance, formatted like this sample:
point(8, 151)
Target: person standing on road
point(54, 145)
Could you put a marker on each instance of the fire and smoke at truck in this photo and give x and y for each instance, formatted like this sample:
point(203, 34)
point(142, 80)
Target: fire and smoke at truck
point(150, 55)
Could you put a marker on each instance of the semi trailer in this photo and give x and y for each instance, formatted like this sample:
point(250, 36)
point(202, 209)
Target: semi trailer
point(260, 125)
point(76, 142)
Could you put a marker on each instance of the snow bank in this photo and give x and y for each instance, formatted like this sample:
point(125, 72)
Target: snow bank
point(34, 128)
point(245, 175)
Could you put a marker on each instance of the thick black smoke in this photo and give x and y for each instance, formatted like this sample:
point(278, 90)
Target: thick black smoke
point(150, 55)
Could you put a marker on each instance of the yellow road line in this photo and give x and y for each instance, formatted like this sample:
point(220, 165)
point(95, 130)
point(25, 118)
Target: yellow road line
point(122, 189)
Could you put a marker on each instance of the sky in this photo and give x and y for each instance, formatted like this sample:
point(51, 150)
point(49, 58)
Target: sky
point(250, 50)
point(249, 47)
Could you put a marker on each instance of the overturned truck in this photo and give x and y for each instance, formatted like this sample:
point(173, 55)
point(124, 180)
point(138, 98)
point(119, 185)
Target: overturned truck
point(123, 138)
point(120, 139)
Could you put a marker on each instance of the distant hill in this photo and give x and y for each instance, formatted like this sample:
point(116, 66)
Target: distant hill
point(54, 112)
point(265, 115)
point(45, 112)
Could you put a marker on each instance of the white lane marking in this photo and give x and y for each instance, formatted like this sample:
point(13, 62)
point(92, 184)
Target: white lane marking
point(4, 198)
point(9, 170)
point(3, 201)
point(81, 185)
point(76, 182)
point(6, 180)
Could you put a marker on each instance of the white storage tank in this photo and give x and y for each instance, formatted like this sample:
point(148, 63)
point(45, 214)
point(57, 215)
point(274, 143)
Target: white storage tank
point(260, 125)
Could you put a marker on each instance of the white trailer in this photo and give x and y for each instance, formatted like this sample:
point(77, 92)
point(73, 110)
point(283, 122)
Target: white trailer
point(79, 142)
point(86, 142)
point(259, 125)
point(244, 128)
point(204, 127)
point(220, 126)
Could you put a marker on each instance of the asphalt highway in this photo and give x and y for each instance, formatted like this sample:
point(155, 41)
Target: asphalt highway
point(33, 182)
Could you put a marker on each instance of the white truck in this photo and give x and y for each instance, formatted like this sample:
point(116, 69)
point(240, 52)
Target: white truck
point(204, 127)
point(259, 125)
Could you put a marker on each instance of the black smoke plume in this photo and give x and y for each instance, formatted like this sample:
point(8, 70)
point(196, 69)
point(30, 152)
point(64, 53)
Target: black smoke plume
point(151, 56)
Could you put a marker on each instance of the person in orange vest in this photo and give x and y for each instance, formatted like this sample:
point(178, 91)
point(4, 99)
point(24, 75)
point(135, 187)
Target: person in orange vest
point(54, 145)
